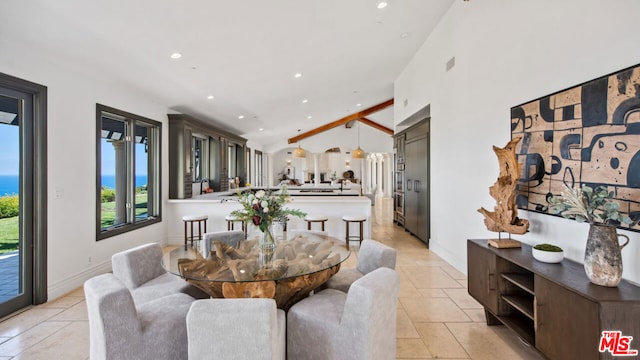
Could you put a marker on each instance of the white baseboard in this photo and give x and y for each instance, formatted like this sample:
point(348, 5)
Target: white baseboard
point(459, 263)
point(73, 282)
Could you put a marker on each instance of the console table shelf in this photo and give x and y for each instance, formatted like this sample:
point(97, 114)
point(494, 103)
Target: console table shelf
point(554, 307)
point(523, 281)
point(521, 303)
point(520, 325)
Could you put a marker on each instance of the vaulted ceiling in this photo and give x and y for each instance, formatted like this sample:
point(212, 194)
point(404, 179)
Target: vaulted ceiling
point(244, 53)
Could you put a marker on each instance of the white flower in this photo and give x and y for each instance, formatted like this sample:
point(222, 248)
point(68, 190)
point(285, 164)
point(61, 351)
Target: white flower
point(265, 210)
point(260, 194)
point(255, 201)
point(264, 204)
point(250, 197)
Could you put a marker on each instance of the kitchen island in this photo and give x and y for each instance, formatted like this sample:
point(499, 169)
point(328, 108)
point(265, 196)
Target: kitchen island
point(329, 201)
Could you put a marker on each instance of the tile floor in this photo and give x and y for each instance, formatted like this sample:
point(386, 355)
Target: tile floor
point(436, 316)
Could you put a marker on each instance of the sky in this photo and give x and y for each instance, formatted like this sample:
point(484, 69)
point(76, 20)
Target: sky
point(109, 161)
point(9, 150)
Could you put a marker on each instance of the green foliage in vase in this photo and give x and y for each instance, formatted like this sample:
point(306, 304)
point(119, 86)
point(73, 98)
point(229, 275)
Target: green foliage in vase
point(548, 247)
point(265, 207)
point(589, 205)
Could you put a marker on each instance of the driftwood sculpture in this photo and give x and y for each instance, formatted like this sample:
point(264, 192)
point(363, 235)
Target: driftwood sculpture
point(504, 218)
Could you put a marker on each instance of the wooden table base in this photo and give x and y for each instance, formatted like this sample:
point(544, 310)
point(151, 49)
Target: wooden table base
point(286, 292)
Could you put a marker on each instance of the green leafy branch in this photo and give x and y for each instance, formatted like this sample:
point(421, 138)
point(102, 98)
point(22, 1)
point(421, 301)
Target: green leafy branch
point(586, 204)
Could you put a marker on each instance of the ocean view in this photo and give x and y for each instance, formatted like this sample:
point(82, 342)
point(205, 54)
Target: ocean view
point(9, 183)
point(110, 181)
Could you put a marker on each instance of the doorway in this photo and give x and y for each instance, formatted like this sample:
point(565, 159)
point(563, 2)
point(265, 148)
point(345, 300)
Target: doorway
point(22, 194)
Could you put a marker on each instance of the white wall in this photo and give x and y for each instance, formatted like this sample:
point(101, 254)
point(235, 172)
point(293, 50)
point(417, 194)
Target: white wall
point(72, 96)
point(506, 53)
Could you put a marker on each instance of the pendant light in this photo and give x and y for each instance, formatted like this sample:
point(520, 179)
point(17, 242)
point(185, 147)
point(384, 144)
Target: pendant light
point(299, 152)
point(358, 153)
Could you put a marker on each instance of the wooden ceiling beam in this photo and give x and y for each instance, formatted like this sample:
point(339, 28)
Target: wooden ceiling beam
point(344, 120)
point(375, 125)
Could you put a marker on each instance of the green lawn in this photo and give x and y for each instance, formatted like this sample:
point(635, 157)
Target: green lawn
point(109, 210)
point(9, 234)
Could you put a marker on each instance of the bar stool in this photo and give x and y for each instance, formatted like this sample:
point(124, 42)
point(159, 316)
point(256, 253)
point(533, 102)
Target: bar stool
point(311, 218)
point(190, 220)
point(284, 223)
point(231, 220)
point(348, 219)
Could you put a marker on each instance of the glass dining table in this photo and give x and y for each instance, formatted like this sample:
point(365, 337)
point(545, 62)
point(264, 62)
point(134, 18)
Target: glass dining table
point(288, 273)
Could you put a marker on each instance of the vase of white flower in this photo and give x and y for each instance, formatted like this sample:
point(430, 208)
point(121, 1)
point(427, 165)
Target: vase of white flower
point(262, 208)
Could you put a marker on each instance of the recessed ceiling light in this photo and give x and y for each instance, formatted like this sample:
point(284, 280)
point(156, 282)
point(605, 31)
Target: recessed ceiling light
point(382, 4)
point(297, 75)
point(210, 97)
point(261, 129)
point(176, 56)
point(241, 117)
point(358, 104)
point(309, 117)
point(304, 101)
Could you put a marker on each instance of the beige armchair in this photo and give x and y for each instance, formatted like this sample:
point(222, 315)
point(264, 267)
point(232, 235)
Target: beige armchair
point(236, 329)
point(358, 325)
point(119, 330)
point(372, 255)
point(140, 270)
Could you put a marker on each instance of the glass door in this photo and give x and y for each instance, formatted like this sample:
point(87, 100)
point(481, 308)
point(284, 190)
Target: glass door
point(16, 172)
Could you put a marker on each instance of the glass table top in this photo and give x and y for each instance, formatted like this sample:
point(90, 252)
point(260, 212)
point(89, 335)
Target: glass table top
point(303, 254)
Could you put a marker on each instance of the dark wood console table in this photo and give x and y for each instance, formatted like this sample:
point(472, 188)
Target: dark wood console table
point(553, 307)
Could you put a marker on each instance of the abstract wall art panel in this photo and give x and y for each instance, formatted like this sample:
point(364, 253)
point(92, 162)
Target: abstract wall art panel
point(588, 134)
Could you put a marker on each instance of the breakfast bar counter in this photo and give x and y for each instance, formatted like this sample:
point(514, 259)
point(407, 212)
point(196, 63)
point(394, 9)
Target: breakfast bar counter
point(218, 205)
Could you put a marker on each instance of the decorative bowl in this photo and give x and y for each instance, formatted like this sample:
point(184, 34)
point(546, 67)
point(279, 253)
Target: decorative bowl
point(551, 257)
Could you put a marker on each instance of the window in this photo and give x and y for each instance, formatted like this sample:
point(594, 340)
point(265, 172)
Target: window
point(200, 151)
point(127, 171)
point(232, 161)
point(248, 165)
point(258, 155)
point(236, 164)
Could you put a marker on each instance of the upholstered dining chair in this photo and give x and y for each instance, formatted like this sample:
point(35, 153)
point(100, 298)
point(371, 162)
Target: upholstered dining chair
point(246, 328)
point(372, 255)
point(231, 238)
point(292, 234)
point(140, 270)
point(119, 330)
point(358, 325)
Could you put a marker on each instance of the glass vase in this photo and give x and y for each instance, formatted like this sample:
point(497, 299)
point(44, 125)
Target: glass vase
point(267, 245)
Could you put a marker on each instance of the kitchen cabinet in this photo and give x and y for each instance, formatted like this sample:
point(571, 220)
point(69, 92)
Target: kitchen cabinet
point(414, 143)
point(398, 190)
point(553, 307)
point(224, 156)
